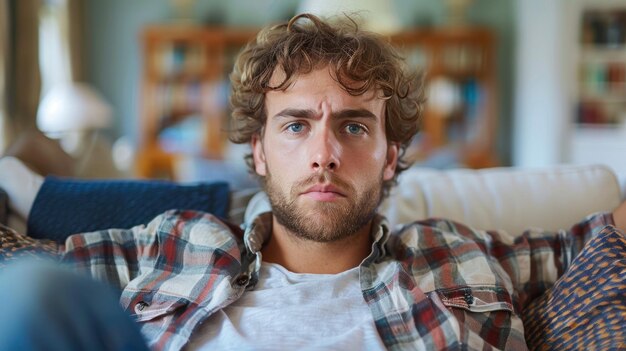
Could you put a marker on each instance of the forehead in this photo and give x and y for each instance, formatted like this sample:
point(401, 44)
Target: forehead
point(316, 88)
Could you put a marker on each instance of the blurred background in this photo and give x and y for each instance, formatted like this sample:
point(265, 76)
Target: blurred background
point(139, 88)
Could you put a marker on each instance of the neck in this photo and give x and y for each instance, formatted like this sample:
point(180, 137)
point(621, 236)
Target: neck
point(304, 256)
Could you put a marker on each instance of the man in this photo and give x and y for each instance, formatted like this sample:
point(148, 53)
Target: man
point(328, 112)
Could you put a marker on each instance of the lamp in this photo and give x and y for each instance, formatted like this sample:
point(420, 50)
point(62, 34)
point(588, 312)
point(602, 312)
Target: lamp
point(73, 113)
point(377, 16)
point(73, 107)
point(69, 111)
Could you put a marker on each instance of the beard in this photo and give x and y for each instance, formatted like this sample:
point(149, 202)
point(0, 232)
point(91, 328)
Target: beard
point(324, 221)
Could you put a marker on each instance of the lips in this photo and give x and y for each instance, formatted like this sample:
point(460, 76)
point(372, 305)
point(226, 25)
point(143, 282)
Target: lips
point(323, 192)
point(319, 188)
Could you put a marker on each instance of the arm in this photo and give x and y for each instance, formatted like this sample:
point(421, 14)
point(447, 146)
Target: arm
point(174, 243)
point(533, 261)
point(113, 255)
point(526, 265)
point(541, 257)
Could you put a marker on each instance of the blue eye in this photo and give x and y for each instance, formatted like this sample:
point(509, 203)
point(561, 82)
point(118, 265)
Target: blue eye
point(355, 129)
point(295, 127)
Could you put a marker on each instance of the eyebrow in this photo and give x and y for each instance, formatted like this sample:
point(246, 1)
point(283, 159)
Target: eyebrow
point(348, 113)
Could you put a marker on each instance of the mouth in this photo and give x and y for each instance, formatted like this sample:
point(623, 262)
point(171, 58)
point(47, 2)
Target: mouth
point(322, 192)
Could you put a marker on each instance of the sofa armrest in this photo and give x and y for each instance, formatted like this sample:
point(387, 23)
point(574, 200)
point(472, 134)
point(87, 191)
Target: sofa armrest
point(508, 199)
point(511, 199)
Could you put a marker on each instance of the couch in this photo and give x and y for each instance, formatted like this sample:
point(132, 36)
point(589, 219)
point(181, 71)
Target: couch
point(508, 199)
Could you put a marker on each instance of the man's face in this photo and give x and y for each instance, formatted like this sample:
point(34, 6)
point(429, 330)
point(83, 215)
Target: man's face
point(324, 155)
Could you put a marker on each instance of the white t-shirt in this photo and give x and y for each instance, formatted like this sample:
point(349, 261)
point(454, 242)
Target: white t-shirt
point(290, 311)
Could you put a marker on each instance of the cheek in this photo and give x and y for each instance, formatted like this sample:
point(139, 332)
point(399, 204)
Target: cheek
point(379, 162)
point(283, 159)
point(367, 161)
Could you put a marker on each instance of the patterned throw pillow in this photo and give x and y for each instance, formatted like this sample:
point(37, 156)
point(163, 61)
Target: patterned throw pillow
point(15, 246)
point(586, 308)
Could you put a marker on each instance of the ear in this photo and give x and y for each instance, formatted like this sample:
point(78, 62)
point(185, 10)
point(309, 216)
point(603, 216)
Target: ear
point(258, 154)
point(392, 160)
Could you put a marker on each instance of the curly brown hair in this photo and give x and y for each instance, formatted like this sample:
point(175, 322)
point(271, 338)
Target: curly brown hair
point(360, 61)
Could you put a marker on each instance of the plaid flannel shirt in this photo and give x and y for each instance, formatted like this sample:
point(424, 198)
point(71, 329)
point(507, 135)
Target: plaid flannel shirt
point(450, 287)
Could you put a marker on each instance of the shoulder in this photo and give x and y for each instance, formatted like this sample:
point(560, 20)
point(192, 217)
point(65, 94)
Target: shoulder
point(443, 254)
point(194, 226)
point(186, 227)
point(176, 240)
point(436, 232)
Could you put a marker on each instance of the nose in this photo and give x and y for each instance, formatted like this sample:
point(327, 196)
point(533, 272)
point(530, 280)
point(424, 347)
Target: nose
point(325, 151)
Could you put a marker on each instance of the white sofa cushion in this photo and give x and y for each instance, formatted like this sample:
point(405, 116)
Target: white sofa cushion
point(510, 199)
point(21, 185)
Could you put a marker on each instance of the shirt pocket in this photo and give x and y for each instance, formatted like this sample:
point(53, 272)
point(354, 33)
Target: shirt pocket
point(145, 306)
point(478, 299)
point(485, 316)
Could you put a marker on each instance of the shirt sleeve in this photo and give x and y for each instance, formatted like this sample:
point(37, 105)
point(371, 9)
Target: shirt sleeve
point(113, 256)
point(174, 242)
point(536, 259)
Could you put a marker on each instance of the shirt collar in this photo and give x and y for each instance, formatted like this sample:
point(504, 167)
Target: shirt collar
point(260, 231)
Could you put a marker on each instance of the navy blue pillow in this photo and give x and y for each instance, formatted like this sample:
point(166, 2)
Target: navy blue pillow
point(68, 206)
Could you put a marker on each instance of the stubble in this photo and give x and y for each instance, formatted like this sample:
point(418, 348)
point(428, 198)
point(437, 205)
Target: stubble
point(324, 221)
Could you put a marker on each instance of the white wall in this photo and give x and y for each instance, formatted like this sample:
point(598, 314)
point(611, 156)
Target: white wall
point(541, 111)
point(546, 90)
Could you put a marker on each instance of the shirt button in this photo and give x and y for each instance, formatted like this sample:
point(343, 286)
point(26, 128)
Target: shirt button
point(469, 299)
point(140, 306)
point(242, 280)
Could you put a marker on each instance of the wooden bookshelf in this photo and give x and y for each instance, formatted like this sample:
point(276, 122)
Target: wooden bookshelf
point(596, 83)
point(461, 60)
point(184, 94)
point(601, 98)
point(185, 82)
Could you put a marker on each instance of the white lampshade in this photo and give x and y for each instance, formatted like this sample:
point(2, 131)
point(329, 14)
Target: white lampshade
point(73, 107)
point(374, 15)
